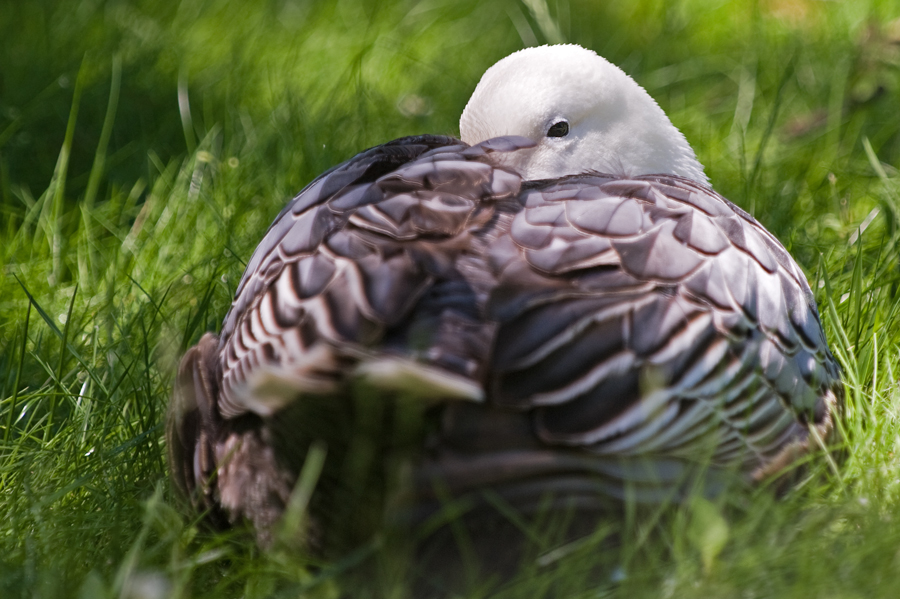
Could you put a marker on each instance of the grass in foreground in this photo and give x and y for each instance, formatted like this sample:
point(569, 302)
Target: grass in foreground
point(144, 150)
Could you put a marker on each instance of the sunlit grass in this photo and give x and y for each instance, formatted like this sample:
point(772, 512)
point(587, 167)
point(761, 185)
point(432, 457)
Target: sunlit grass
point(145, 147)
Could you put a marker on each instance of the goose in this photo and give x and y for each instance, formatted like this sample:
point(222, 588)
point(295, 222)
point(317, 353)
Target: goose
point(560, 296)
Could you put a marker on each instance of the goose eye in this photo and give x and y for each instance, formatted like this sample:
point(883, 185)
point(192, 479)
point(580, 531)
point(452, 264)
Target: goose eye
point(560, 129)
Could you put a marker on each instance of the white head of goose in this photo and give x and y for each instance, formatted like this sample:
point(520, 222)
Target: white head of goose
point(583, 113)
point(579, 312)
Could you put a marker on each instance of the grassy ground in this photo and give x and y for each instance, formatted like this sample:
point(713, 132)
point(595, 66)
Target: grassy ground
point(145, 147)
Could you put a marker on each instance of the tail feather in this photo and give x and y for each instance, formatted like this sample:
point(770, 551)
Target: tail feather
point(192, 425)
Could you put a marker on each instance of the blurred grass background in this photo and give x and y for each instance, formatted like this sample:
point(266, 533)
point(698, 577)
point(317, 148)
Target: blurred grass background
point(146, 146)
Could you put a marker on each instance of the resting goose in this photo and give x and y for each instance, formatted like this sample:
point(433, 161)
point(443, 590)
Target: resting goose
point(560, 295)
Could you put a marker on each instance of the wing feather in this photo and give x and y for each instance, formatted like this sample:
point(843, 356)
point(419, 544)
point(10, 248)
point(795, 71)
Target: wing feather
point(697, 335)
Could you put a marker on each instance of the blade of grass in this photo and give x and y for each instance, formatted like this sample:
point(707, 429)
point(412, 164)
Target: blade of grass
point(184, 109)
point(890, 201)
point(60, 390)
point(99, 165)
point(15, 397)
point(767, 133)
point(58, 182)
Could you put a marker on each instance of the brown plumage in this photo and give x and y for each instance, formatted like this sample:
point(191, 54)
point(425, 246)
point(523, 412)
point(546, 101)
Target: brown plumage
point(590, 337)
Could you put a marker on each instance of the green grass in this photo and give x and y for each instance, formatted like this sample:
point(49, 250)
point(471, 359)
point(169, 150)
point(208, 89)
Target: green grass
point(145, 147)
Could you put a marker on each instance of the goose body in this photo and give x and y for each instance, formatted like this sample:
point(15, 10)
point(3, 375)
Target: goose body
point(578, 313)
